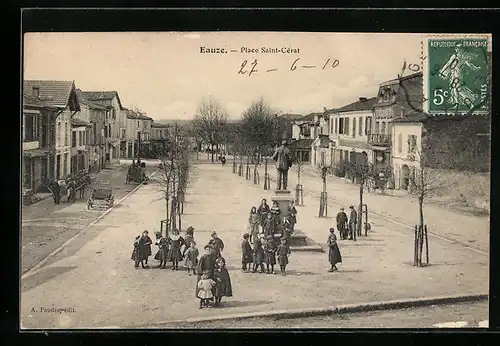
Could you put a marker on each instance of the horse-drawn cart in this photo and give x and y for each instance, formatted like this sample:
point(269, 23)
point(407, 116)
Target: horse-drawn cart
point(101, 197)
point(376, 182)
point(136, 173)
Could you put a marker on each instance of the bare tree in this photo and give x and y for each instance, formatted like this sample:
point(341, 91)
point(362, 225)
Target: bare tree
point(323, 202)
point(210, 123)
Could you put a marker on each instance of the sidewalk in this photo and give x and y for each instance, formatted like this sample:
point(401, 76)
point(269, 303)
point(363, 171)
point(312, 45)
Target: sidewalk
point(46, 226)
point(100, 283)
point(471, 230)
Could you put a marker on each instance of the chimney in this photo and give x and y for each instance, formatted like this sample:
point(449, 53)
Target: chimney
point(363, 99)
point(36, 92)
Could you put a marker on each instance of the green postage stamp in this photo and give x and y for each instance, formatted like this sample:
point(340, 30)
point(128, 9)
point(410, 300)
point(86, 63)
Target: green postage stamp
point(458, 75)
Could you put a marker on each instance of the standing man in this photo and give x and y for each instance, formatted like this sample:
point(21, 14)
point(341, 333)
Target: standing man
point(283, 160)
point(342, 224)
point(353, 221)
point(56, 190)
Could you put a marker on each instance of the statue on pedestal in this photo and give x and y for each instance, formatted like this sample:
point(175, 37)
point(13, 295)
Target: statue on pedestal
point(283, 160)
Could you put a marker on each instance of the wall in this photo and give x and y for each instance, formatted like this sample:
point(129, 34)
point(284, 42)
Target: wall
point(63, 142)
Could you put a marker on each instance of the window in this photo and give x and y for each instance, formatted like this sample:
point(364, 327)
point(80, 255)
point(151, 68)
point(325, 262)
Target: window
point(30, 127)
point(109, 130)
point(80, 138)
point(377, 127)
point(382, 131)
point(59, 134)
point(336, 126)
point(341, 126)
point(346, 126)
point(412, 144)
point(73, 139)
point(105, 131)
point(400, 143)
point(138, 123)
point(66, 134)
point(360, 126)
point(354, 127)
point(368, 125)
point(94, 128)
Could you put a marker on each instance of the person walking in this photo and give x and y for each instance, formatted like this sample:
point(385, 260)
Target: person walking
point(342, 224)
point(334, 255)
point(353, 222)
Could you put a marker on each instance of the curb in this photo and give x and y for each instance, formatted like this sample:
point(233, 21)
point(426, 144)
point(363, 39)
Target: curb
point(339, 309)
point(40, 264)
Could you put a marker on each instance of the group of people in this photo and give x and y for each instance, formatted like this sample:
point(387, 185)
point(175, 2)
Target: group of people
point(213, 280)
point(266, 221)
point(264, 251)
point(68, 187)
point(347, 226)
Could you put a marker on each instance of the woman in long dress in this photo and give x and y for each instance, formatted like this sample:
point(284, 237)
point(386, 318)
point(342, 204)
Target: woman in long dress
point(174, 254)
point(223, 287)
point(205, 263)
point(334, 256)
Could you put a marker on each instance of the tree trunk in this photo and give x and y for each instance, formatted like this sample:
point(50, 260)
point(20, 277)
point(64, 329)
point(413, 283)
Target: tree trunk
point(212, 152)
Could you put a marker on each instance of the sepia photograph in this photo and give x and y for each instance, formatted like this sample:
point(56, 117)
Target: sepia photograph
point(255, 180)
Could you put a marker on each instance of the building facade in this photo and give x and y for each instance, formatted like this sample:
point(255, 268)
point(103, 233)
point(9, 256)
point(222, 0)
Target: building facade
point(350, 128)
point(47, 110)
point(160, 134)
point(395, 99)
point(80, 148)
point(112, 123)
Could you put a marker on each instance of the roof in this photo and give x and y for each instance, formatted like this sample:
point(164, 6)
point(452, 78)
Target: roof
point(51, 93)
point(413, 117)
point(159, 125)
point(310, 116)
point(97, 96)
point(363, 104)
point(90, 104)
point(138, 116)
point(76, 121)
point(303, 143)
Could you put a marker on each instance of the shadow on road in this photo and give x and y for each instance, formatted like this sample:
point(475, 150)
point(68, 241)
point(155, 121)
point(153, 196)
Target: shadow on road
point(43, 276)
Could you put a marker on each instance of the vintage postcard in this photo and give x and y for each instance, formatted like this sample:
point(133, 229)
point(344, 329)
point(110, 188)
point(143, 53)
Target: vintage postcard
point(255, 180)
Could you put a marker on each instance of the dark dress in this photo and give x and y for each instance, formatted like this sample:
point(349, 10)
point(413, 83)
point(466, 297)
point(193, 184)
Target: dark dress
point(147, 246)
point(135, 253)
point(275, 212)
point(246, 252)
point(176, 242)
point(270, 252)
point(217, 244)
point(140, 249)
point(292, 212)
point(263, 211)
point(258, 252)
point(223, 287)
point(162, 253)
point(206, 262)
point(283, 252)
point(334, 256)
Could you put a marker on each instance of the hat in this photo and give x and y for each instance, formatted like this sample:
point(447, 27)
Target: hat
point(332, 230)
point(190, 229)
point(209, 247)
point(213, 233)
point(246, 235)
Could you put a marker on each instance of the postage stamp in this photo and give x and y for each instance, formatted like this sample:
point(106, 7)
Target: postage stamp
point(457, 75)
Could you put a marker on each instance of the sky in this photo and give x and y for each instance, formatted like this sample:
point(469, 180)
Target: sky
point(166, 75)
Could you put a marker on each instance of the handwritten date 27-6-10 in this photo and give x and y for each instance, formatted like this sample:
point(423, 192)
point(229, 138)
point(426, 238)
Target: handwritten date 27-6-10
point(251, 68)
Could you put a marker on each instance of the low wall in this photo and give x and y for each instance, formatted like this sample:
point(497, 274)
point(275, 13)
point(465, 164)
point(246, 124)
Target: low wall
point(463, 189)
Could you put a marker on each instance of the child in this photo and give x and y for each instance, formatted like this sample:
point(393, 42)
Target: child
point(258, 256)
point(223, 286)
point(269, 226)
point(253, 223)
point(246, 254)
point(205, 286)
point(136, 254)
point(162, 253)
point(263, 211)
point(174, 254)
point(146, 246)
point(334, 256)
point(292, 212)
point(275, 212)
point(270, 254)
point(188, 238)
point(283, 253)
point(191, 256)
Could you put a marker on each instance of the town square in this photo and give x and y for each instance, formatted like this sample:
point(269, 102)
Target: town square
point(285, 208)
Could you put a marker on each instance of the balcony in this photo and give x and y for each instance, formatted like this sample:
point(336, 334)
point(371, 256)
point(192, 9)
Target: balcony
point(379, 139)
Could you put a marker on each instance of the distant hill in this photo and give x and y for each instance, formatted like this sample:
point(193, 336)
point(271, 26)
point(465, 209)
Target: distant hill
point(173, 121)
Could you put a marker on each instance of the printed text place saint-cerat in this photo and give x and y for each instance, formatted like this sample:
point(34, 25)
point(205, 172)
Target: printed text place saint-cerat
point(280, 50)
